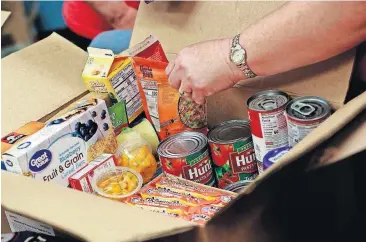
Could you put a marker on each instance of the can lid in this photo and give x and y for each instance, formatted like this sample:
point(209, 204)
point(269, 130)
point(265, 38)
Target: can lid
point(308, 108)
point(182, 144)
point(230, 131)
point(274, 155)
point(267, 100)
point(238, 186)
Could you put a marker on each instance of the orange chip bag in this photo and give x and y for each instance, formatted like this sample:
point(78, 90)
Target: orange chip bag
point(164, 108)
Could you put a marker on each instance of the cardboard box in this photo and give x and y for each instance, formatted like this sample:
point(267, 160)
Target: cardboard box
point(316, 193)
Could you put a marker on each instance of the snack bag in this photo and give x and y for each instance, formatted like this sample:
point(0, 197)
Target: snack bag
point(164, 108)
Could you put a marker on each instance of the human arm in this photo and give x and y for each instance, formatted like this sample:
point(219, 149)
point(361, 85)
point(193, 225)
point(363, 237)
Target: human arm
point(295, 35)
point(117, 13)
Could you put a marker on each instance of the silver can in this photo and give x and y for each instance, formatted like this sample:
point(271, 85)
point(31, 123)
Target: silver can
point(186, 155)
point(267, 122)
point(304, 114)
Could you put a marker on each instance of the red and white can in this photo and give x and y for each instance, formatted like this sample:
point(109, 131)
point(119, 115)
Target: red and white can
point(267, 122)
point(81, 180)
point(304, 114)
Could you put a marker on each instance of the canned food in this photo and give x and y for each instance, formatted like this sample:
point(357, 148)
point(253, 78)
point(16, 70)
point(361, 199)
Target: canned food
point(268, 122)
point(305, 114)
point(238, 186)
point(274, 155)
point(232, 152)
point(186, 155)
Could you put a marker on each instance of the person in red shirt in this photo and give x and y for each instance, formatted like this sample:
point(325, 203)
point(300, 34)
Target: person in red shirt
point(108, 24)
point(90, 18)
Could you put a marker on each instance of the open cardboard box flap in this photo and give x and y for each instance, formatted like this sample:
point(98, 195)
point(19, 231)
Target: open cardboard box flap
point(4, 16)
point(43, 77)
point(191, 22)
point(39, 79)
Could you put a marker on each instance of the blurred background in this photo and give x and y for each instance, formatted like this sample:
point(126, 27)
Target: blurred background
point(81, 22)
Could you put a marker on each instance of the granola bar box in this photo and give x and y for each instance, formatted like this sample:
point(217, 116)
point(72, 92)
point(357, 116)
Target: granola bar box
point(65, 144)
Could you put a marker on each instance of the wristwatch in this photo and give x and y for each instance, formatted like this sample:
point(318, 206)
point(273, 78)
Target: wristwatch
point(239, 57)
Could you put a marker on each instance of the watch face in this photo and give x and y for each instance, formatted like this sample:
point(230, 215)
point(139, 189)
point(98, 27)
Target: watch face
point(237, 56)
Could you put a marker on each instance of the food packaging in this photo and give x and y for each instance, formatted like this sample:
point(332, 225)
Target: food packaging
point(147, 132)
point(81, 180)
point(164, 108)
point(136, 154)
point(117, 183)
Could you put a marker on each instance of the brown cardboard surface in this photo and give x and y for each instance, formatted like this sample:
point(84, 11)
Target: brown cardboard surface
point(177, 25)
point(45, 76)
point(38, 80)
point(4, 16)
point(83, 215)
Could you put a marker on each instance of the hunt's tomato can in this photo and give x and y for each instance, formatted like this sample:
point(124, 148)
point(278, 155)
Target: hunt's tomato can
point(304, 114)
point(267, 122)
point(186, 155)
point(233, 154)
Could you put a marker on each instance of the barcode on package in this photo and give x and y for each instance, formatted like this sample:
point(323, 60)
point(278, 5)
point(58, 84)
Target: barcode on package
point(151, 93)
point(125, 86)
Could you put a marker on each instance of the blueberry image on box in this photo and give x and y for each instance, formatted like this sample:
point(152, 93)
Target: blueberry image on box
point(94, 114)
point(105, 126)
point(103, 114)
point(87, 130)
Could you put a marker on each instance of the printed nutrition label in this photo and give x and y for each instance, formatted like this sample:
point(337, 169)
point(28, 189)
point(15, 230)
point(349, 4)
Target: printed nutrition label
point(151, 93)
point(19, 223)
point(274, 129)
point(126, 88)
point(297, 132)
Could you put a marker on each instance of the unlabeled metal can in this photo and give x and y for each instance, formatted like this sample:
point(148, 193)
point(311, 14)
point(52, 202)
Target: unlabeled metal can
point(274, 155)
point(305, 114)
point(232, 152)
point(186, 155)
point(267, 122)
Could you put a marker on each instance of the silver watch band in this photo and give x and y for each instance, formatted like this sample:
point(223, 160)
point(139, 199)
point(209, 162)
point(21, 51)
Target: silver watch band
point(243, 66)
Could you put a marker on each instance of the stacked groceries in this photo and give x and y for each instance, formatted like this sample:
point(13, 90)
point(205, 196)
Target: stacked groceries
point(146, 146)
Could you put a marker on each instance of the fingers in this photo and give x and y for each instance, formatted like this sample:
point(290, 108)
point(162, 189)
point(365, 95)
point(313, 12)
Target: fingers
point(198, 96)
point(175, 77)
point(185, 90)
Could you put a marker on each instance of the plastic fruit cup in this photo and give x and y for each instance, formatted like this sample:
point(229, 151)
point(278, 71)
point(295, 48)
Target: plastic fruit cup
point(117, 182)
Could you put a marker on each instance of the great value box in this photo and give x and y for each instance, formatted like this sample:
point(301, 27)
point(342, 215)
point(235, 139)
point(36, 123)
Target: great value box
point(315, 193)
point(65, 144)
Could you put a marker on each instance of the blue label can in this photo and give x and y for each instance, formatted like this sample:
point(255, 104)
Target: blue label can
point(274, 155)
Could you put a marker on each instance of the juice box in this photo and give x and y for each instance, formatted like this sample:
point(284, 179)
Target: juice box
point(65, 144)
point(105, 72)
point(81, 180)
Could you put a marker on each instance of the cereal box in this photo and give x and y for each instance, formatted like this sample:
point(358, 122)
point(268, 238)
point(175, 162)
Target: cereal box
point(65, 144)
point(81, 180)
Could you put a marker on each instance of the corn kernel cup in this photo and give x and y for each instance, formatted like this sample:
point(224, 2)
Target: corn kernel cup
point(137, 155)
point(117, 183)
